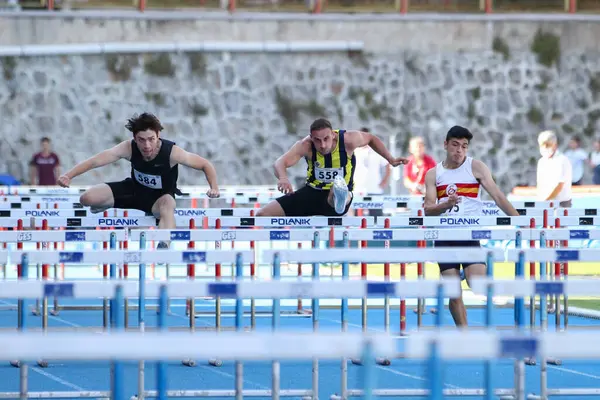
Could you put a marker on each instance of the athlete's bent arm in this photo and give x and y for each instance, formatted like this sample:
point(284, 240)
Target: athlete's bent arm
point(355, 139)
point(180, 156)
point(430, 204)
point(290, 158)
point(109, 156)
point(483, 174)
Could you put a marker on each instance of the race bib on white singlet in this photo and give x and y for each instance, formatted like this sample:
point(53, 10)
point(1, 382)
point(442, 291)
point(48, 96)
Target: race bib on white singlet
point(457, 209)
point(151, 181)
point(328, 175)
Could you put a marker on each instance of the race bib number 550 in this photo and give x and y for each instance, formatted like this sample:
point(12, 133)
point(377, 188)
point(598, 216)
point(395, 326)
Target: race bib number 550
point(151, 181)
point(328, 174)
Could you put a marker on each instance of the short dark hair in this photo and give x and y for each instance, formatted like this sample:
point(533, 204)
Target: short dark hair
point(45, 139)
point(319, 124)
point(139, 123)
point(459, 132)
point(576, 139)
point(364, 129)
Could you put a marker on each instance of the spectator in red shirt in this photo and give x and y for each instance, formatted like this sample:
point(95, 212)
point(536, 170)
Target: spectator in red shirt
point(44, 167)
point(419, 163)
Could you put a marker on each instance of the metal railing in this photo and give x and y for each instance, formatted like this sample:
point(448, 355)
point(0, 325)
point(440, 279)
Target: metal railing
point(321, 6)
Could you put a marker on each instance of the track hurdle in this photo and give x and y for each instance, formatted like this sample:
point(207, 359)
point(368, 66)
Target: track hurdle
point(311, 222)
point(365, 234)
point(431, 232)
point(434, 348)
point(382, 288)
point(217, 236)
point(38, 237)
point(520, 288)
point(238, 290)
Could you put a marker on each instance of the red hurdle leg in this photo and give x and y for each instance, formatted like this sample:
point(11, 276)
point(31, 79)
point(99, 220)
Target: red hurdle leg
point(386, 277)
point(218, 278)
point(565, 244)
point(420, 275)
point(557, 268)
point(191, 273)
point(19, 271)
point(45, 277)
point(532, 276)
point(363, 276)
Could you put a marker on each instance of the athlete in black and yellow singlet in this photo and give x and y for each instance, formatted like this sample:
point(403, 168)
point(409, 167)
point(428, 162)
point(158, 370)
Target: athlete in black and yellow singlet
point(329, 154)
point(322, 169)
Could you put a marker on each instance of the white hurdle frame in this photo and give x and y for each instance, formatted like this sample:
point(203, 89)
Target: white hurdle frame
point(451, 344)
point(303, 222)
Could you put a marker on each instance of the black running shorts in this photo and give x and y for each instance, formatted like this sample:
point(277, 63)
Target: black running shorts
point(308, 202)
point(128, 195)
point(456, 243)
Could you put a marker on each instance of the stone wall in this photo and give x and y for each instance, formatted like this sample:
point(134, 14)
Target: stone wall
point(243, 110)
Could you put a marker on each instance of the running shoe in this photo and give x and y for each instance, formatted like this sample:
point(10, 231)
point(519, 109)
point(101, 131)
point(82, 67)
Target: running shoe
point(162, 245)
point(340, 194)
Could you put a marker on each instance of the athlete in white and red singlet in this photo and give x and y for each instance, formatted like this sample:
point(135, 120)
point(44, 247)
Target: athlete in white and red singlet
point(453, 188)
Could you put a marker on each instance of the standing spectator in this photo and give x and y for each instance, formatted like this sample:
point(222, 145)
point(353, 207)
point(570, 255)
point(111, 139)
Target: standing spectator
point(372, 173)
point(554, 171)
point(595, 162)
point(418, 165)
point(44, 167)
point(578, 157)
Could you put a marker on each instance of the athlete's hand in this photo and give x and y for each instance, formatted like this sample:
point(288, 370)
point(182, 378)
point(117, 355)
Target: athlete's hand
point(394, 162)
point(64, 181)
point(213, 193)
point(453, 200)
point(284, 186)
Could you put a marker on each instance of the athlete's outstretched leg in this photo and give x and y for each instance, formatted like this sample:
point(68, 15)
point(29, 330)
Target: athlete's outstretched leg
point(164, 210)
point(457, 305)
point(273, 209)
point(339, 195)
point(99, 198)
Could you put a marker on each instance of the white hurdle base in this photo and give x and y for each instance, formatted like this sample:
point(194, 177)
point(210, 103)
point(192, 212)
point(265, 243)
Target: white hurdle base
point(305, 394)
point(504, 394)
point(58, 395)
point(566, 392)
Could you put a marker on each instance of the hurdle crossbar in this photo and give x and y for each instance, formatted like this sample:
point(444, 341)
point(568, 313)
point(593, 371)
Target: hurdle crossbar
point(455, 254)
point(375, 234)
point(127, 256)
point(86, 212)
point(301, 222)
point(61, 236)
point(135, 346)
point(33, 289)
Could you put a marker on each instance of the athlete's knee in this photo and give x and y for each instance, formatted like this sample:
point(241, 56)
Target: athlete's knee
point(91, 198)
point(86, 198)
point(97, 196)
point(272, 209)
point(473, 271)
point(263, 212)
point(164, 206)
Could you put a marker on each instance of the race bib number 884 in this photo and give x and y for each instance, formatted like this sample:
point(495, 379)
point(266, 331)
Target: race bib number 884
point(151, 181)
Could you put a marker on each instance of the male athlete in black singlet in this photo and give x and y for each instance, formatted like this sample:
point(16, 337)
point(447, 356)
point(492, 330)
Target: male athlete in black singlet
point(154, 171)
point(330, 157)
